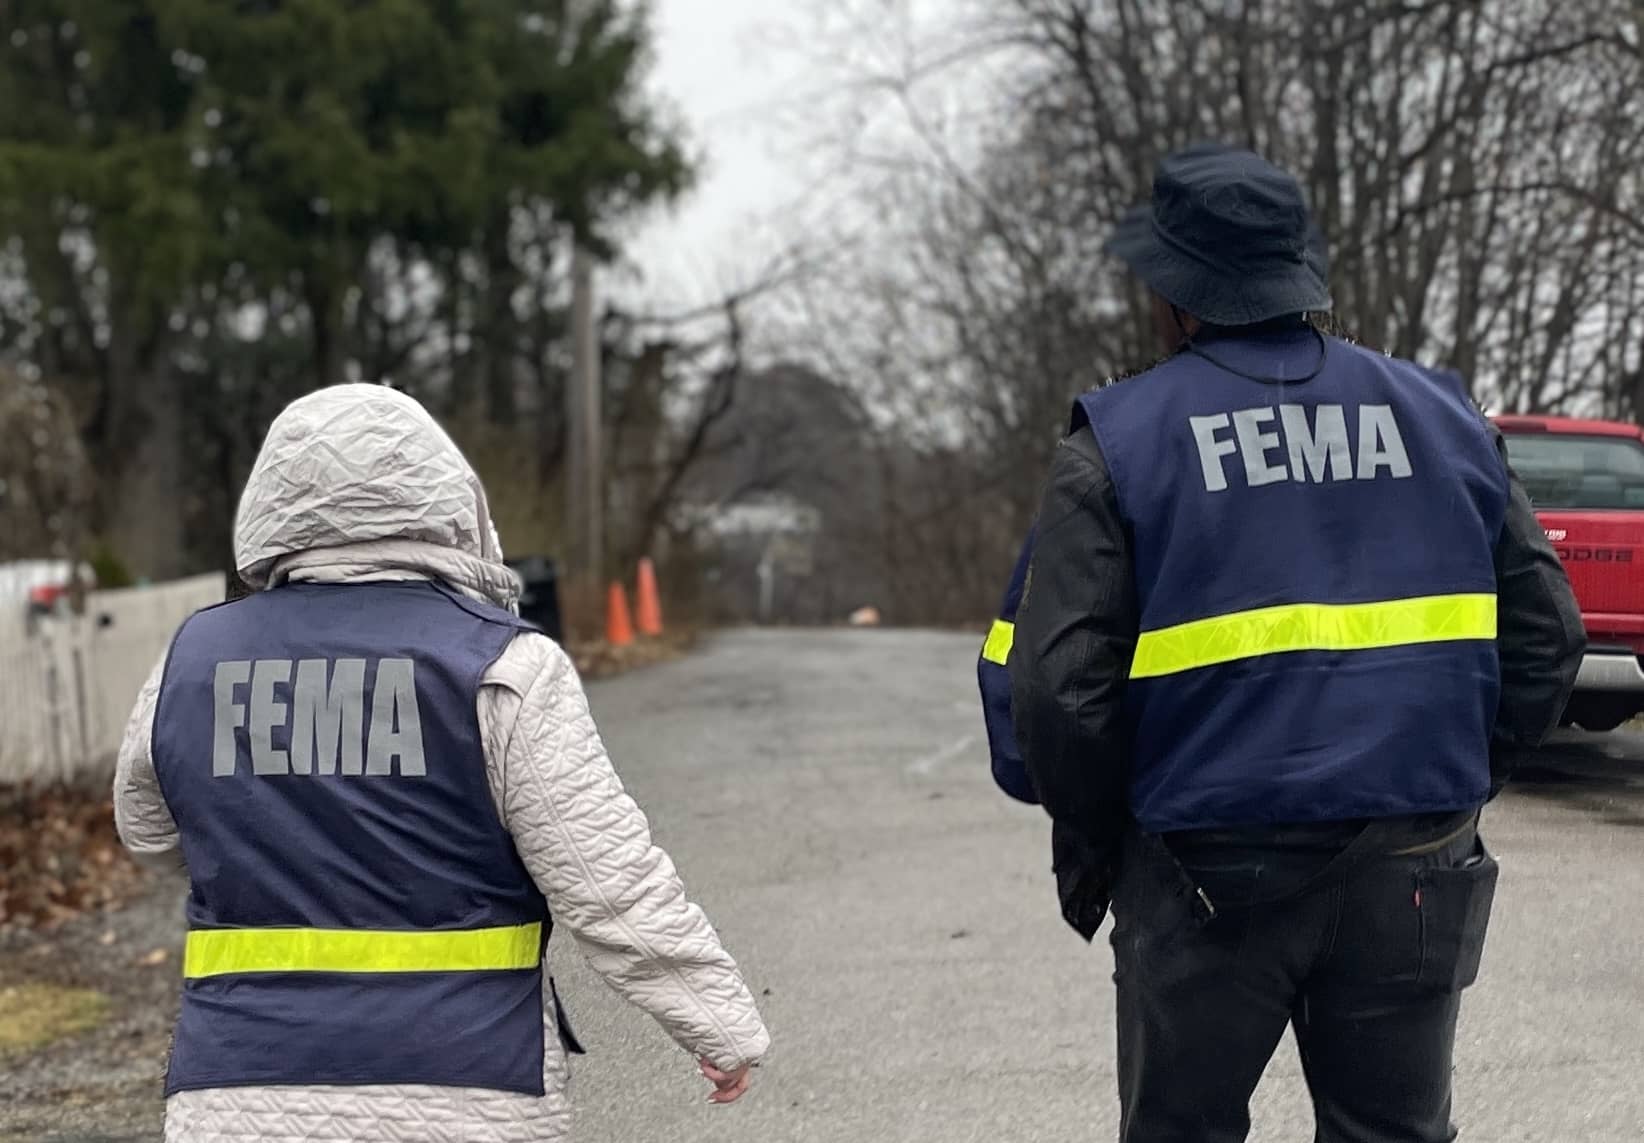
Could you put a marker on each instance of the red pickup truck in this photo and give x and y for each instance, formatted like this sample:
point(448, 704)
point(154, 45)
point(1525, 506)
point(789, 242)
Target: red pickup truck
point(1586, 480)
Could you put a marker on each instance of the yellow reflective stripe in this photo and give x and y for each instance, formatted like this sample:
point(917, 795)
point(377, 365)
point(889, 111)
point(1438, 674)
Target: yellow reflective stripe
point(1313, 627)
point(216, 952)
point(997, 648)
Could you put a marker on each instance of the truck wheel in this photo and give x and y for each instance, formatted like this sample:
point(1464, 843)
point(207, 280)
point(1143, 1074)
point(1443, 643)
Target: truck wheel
point(1599, 714)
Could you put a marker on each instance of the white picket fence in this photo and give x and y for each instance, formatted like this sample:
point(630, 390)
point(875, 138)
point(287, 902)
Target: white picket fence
point(68, 682)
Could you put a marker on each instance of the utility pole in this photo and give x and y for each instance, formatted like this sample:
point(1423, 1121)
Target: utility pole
point(767, 581)
point(585, 488)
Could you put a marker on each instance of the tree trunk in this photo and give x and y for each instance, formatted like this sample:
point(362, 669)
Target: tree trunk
point(326, 319)
point(143, 502)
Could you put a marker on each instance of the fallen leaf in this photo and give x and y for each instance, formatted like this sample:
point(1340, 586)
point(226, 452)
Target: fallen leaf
point(59, 857)
point(157, 957)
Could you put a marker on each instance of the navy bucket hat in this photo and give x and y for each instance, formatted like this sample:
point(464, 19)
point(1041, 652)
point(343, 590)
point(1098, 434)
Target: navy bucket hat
point(1227, 238)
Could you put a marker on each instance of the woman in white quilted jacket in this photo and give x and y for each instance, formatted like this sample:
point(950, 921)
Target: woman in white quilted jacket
point(357, 486)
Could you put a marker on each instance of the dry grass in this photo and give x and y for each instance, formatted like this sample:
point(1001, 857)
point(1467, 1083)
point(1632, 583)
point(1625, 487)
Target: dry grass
point(600, 660)
point(34, 1015)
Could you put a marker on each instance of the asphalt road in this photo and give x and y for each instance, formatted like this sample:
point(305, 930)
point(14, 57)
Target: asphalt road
point(826, 796)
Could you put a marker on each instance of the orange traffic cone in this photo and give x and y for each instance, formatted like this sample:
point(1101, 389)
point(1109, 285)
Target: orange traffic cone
point(619, 629)
point(648, 609)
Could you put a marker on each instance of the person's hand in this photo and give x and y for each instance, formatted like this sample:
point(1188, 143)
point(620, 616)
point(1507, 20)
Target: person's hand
point(1085, 876)
point(728, 1086)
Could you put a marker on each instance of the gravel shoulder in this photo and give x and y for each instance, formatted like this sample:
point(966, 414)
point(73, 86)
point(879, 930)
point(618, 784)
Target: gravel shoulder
point(103, 1085)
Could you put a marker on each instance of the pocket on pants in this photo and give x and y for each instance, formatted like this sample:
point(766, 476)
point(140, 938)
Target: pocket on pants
point(1158, 930)
point(1455, 904)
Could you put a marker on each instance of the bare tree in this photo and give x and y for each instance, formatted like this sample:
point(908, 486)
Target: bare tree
point(1474, 164)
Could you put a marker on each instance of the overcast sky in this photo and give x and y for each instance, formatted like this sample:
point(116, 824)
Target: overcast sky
point(757, 86)
point(715, 66)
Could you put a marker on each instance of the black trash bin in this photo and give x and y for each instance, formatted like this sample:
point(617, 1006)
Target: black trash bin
point(539, 602)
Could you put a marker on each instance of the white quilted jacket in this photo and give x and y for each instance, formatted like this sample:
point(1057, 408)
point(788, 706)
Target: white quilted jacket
point(357, 483)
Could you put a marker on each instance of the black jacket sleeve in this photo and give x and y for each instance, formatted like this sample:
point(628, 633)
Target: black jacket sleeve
point(1075, 634)
point(1539, 635)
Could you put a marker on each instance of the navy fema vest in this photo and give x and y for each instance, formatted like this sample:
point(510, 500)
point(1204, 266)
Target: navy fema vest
point(1315, 570)
point(357, 913)
point(993, 677)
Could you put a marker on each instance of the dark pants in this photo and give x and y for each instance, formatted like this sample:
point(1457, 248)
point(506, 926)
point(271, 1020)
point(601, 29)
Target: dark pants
point(1368, 968)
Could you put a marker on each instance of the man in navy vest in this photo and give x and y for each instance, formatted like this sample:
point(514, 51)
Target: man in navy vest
point(1287, 619)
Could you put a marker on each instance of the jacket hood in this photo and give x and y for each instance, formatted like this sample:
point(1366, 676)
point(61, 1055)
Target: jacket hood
point(366, 469)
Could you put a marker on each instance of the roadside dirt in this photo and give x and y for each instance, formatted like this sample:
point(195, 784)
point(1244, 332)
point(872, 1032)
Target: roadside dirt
point(89, 1045)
